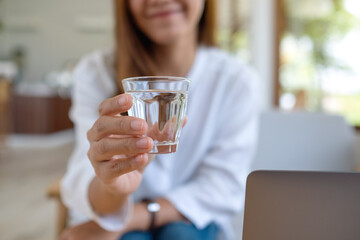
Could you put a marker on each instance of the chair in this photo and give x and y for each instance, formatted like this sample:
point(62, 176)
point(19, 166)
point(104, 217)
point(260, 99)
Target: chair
point(305, 141)
point(53, 192)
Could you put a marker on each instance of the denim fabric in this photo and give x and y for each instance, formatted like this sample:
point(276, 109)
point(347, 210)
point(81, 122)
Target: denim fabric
point(175, 231)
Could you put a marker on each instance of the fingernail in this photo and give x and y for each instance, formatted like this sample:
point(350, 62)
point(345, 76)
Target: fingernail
point(136, 125)
point(142, 143)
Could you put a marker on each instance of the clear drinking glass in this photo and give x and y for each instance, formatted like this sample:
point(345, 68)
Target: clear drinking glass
point(161, 102)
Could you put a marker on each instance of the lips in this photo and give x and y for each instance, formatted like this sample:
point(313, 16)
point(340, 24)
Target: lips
point(164, 14)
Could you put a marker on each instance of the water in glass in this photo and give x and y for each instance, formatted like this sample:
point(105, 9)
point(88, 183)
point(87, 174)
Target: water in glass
point(164, 112)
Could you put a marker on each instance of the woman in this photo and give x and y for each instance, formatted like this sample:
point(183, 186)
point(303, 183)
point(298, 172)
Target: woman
point(126, 193)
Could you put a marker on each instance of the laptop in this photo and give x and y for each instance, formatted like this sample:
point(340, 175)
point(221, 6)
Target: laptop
point(285, 205)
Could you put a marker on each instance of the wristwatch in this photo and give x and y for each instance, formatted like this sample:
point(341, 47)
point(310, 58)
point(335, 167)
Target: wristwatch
point(152, 207)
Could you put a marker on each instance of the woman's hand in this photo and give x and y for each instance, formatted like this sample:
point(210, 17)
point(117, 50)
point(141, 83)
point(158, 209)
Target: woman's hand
point(118, 149)
point(89, 231)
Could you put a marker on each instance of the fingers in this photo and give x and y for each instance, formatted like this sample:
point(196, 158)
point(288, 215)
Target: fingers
point(115, 105)
point(168, 132)
point(106, 148)
point(111, 125)
point(185, 121)
point(117, 167)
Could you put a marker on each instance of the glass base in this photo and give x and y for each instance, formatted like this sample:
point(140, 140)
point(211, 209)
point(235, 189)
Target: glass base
point(161, 148)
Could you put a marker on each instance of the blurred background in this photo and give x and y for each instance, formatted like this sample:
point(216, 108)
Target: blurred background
point(306, 52)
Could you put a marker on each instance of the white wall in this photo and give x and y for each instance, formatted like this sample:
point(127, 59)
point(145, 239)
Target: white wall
point(48, 30)
point(1, 35)
point(262, 47)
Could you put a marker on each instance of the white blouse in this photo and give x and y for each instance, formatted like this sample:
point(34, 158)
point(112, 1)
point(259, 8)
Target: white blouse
point(205, 178)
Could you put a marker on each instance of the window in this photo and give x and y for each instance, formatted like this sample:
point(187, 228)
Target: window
point(234, 27)
point(319, 57)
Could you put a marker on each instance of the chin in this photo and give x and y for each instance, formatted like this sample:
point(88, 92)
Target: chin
point(167, 37)
point(166, 40)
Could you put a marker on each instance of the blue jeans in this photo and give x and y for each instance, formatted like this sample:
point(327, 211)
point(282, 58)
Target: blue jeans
point(175, 231)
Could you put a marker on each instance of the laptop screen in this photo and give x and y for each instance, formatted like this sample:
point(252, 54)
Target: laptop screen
point(284, 205)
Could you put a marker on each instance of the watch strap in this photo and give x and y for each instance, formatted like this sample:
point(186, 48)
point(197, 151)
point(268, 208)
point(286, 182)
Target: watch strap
point(152, 214)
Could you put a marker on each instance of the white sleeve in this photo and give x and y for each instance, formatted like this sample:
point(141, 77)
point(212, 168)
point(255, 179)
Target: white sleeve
point(217, 190)
point(86, 97)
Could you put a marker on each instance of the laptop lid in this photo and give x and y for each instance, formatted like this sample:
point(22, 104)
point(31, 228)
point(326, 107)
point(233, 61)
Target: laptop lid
point(284, 205)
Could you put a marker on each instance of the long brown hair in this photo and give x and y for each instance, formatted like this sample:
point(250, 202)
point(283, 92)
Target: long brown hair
point(133, 48)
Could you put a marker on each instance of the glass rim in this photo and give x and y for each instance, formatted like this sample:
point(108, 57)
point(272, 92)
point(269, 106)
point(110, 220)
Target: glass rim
point(155, 79)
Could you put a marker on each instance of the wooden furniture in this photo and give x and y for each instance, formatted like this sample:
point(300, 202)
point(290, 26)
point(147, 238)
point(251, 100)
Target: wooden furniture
point(5, 92)
point(280, 25)
point(53, 192)
point(40, 115)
